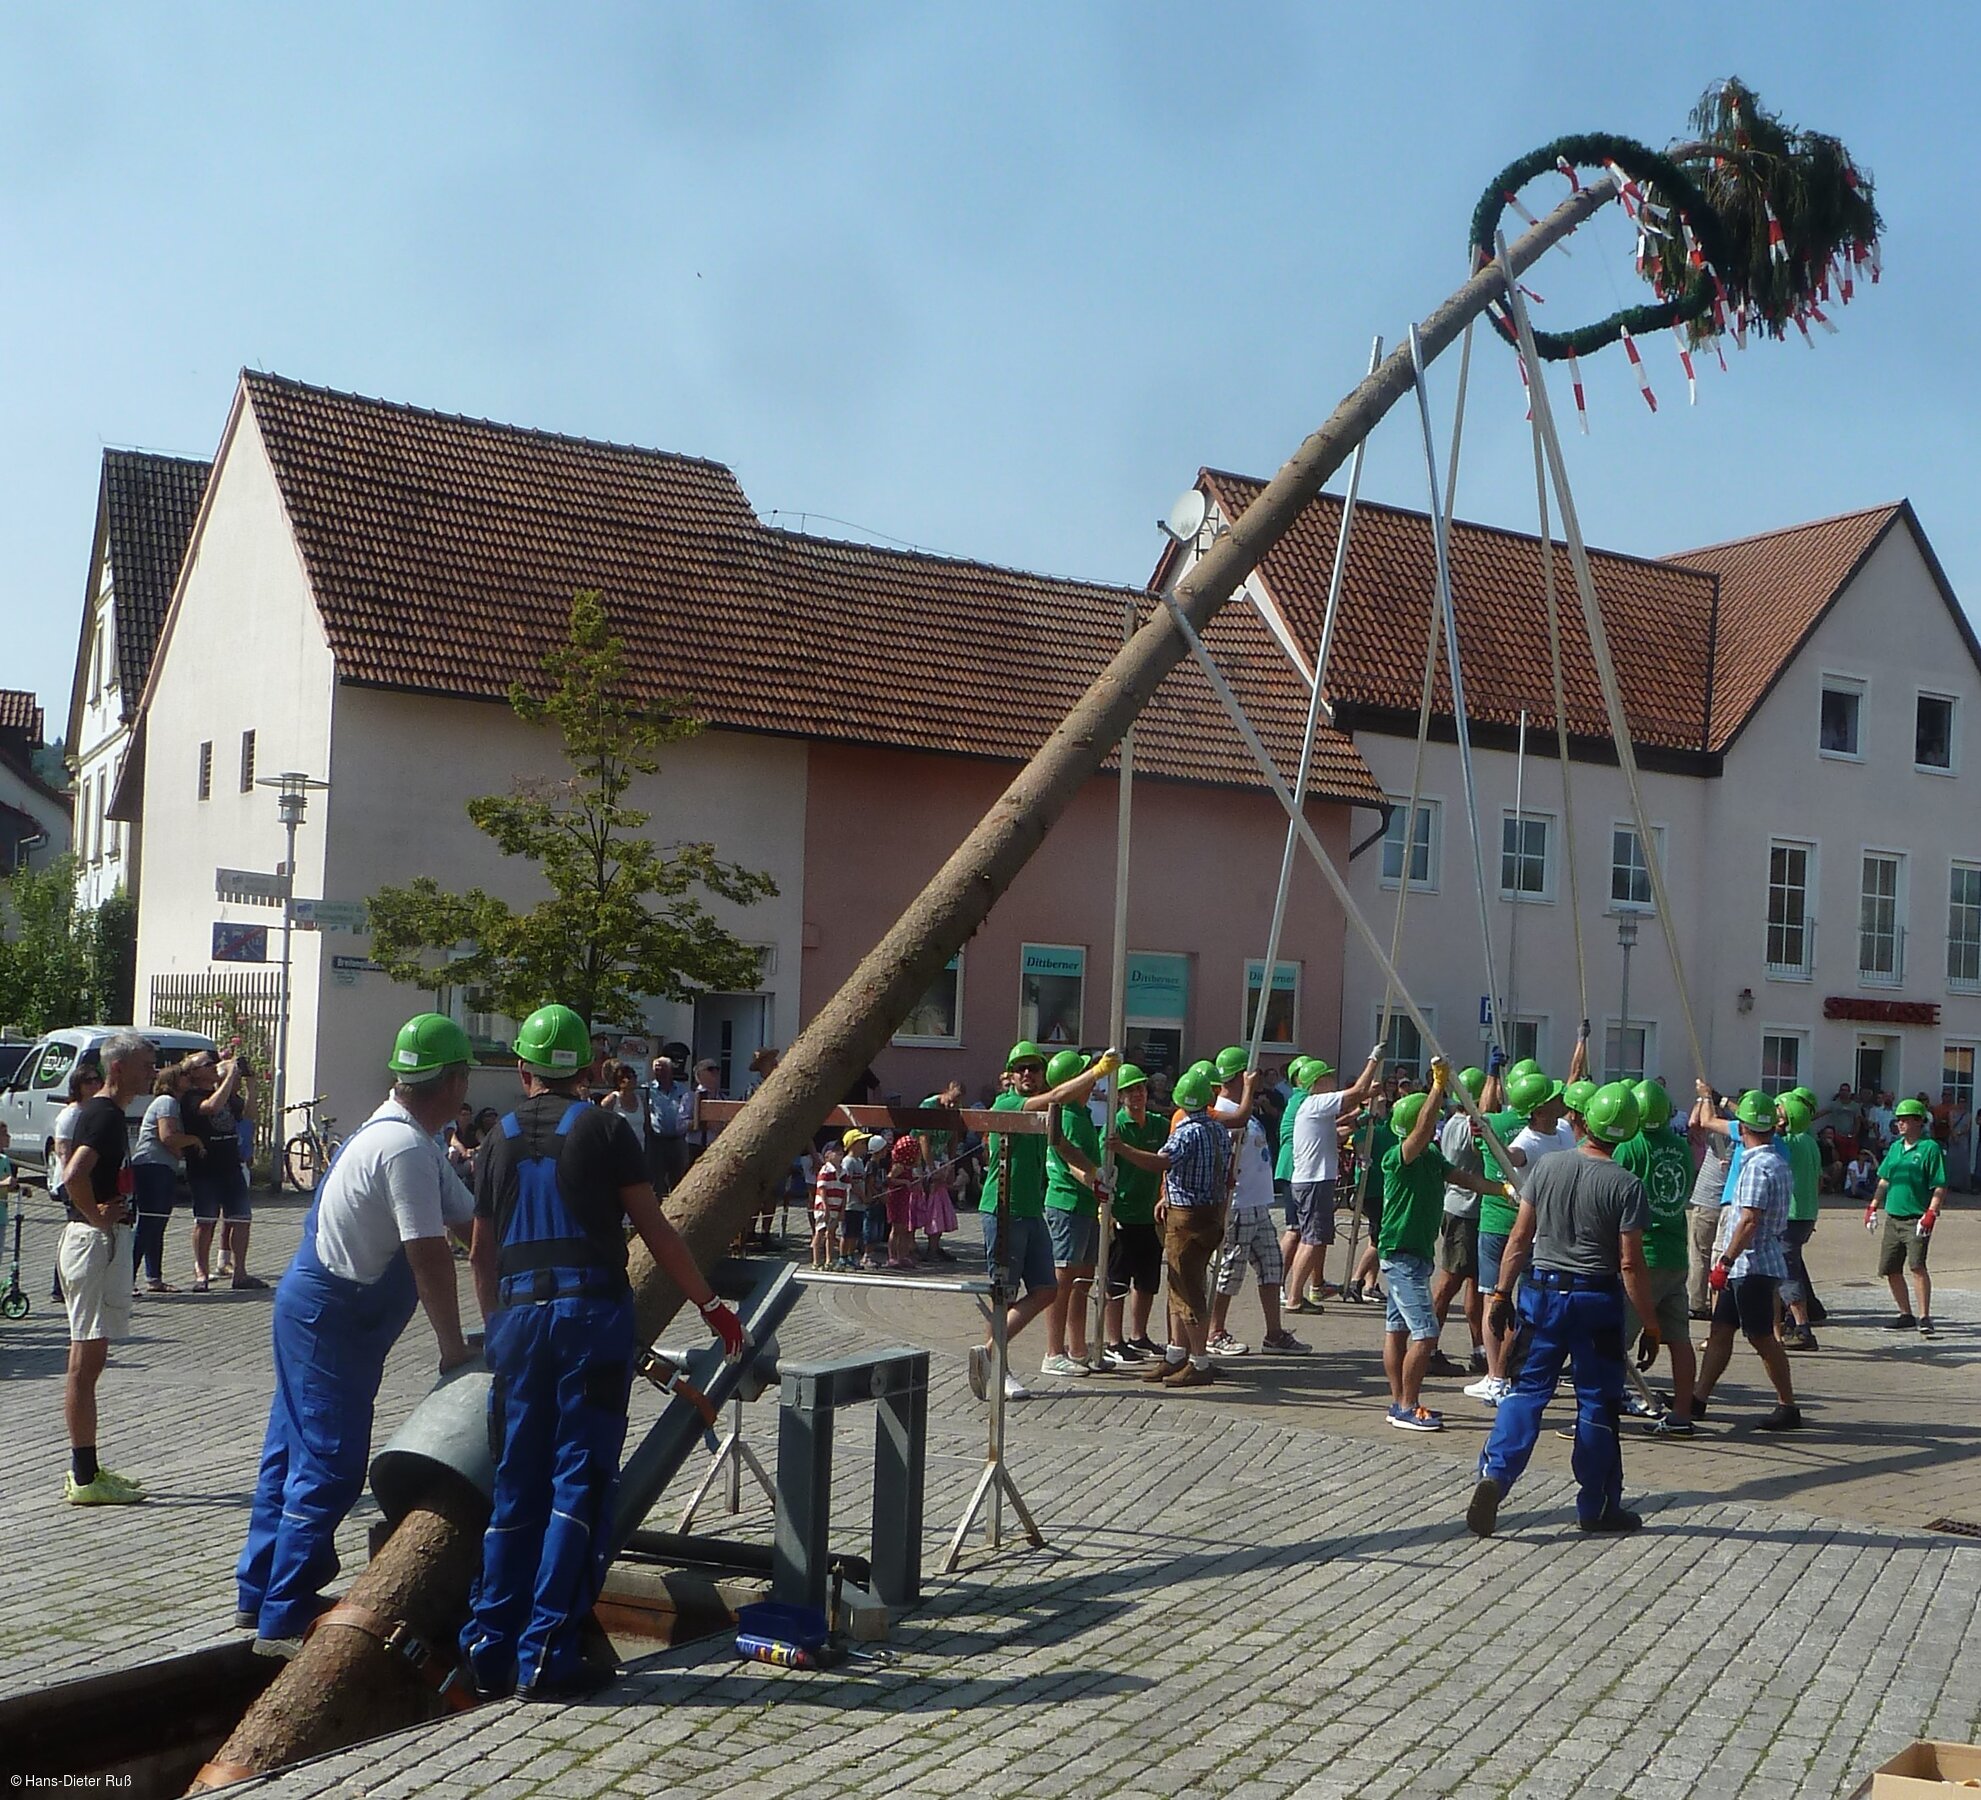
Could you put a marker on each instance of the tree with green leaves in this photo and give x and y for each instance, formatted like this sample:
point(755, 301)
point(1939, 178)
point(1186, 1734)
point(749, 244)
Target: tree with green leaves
point(46, 964)
point(626, 919)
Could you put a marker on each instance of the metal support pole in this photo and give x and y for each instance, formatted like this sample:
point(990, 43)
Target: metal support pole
point(1509, 1002)
point(281, 1082)
point(732, 1456)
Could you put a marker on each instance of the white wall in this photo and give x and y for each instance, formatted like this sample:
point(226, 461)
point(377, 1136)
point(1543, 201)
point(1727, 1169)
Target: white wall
point(1892, 630)
point(403, 768)
point(105, 848)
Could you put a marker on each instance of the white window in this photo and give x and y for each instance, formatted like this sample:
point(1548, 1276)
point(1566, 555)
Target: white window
point(1527, 1038)
point(206, 770)
point(1791, 931)
point(1964, 928)
point(1933, 734)
point(1423, 844)
point(1052, 985)
point(1526, 865)
point(101, 809)
point(1627, 1049)
point(1839, 730)
point(247, 762)
point(1282, 1010)
point(1403, 1044)
point(1783, 1056)
point(938, 1018)
point(1630, 874)
point(1881, 919)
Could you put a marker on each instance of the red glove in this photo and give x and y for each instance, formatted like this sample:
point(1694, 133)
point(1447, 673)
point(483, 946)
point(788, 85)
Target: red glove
point(1716, 1277)
point(723, 1321)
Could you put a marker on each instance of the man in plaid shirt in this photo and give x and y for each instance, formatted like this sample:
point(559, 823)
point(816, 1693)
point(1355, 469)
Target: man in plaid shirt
point(1750, 1262)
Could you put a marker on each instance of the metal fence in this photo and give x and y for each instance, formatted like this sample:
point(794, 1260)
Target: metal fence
point(236, 1004)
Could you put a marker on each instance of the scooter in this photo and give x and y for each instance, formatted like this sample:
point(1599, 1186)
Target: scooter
point(14, 1303)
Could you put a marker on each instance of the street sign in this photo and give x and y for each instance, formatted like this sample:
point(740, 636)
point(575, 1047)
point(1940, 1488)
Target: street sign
point(355, 965)
point(239, 943)
point(250, 887)
point(328, 915)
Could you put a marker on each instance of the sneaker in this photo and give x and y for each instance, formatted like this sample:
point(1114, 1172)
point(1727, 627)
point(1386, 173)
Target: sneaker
point(1146, 1345)
point(1904, 1322)
point(1783, 1418)
point(1282, 1341)
point(245, 1620)
point(1441, 1364)
point(1800, 1337)
point(1668, 1425)
point(1014, 1389)
point(1818, 1312)
point(1304, 1307)
point(1484, 1510)
point(125, 1482)
point(1415, 1418)
point(278, 1649)
point(1621, 1520)
point(1479, 1364)
point(1638, 1407)
point(980, 1366)
point(1925, 1327)
point(1699, 1314)
point(1122, 1356)
point(1698, 1411)
point(250, 1283)
point(1222, 1343)
point(1063, 1366)
point(1489, 1388)
point(1352, 1293)
point(100, 1492)
point(1163, 1369)
point(1190, 1375)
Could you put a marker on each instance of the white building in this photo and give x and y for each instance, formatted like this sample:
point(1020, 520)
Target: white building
point(1798, 704)
point(144, 514)
point(34, 815)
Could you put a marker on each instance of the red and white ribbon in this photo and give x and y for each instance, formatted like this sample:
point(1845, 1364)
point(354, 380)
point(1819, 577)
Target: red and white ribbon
point(1520, 363)
point(1802, 325)
point(1581, 399)
point(1777, 242)
point(1816, 313)
point(1637, 363)
point(1568, 168)
point(1513, 200)
point(1685, 362)
point(1627, 191)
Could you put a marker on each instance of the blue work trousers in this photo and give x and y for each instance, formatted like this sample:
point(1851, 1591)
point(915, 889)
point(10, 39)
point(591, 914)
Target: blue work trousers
point(1582, 1328)
point(563, 1370)
point(331, 1340)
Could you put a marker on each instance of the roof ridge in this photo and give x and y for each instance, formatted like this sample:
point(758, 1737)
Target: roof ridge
point(1884, 509)
point(906, 554)
point(141, 454)
point(293, 385)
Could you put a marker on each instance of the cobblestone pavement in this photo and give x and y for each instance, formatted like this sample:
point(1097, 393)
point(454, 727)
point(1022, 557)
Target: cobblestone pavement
point(1253, 1590)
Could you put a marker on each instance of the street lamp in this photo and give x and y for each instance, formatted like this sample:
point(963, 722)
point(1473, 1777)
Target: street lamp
point(292, 798)
point(1626, 937)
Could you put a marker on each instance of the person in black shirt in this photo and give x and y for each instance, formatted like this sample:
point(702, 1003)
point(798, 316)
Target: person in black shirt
point(551, 1184)
point(95, 1262)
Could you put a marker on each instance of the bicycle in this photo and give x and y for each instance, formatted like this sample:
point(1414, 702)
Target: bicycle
point(306, 1155)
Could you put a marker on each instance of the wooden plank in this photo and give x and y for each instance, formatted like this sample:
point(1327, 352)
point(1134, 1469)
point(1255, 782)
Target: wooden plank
point(906, 1118)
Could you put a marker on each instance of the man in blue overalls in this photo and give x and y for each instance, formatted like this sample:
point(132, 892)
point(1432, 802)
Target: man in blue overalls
point(1582, 1217)
point(551, 1183)
point(374, 1247)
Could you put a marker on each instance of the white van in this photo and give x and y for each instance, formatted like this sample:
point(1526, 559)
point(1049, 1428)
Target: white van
point(34, 1097)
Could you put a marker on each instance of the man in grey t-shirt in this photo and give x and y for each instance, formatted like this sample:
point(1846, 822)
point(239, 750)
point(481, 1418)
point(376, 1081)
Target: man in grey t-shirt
point(1583, 1219)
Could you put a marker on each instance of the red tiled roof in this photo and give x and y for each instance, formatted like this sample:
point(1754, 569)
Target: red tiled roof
point(1659, 618)
point(149, 505)
point(443, 553)
point(1773, 589)
point(21, 711)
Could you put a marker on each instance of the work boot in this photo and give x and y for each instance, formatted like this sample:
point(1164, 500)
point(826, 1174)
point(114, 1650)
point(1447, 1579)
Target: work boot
point(1190, 1375)
point(1783, 1418)
point(1164, 1369)
point(1623, 1519)
point(1484, 1510)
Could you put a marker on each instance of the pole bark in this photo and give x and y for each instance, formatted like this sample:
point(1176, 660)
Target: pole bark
point(344, 1685)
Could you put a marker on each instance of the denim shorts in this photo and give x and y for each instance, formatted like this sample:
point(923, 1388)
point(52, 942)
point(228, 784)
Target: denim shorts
point(1407, 1276)
point(1075, 1240)
point(1492, 1246)
point(1031, 1252)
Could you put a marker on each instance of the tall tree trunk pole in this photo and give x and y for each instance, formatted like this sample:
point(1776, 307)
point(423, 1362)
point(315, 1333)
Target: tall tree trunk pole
point(344, 1685)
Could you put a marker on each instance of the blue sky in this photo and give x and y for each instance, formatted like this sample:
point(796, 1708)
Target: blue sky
point(992, 280)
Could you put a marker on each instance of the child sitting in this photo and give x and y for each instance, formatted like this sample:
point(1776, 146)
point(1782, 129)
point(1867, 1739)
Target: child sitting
point(1860, 1177)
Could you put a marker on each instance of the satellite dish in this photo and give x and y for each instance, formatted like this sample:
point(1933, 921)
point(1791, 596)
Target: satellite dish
point(1186, 517)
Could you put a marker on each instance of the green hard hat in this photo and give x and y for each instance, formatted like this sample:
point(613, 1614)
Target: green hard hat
point(1576, 1096)
point(1193, 1090)
point(1024, 1051)
point(554, 1042)
point(1653, 1104)
point(427, 1043)
point(1128, 1076)
point(1317, 1067)
point(1231, 1061)
point(1403, 1115)
point(1532, 1089)
point(1064, 1066)
point(1756, 1111)
point(1911, 1109)
point(1205, 1068)
point(1807, 1095)
point(1473, 1081)
point(1796, 1117)
point(1525, 1066)
point(1612, 1113)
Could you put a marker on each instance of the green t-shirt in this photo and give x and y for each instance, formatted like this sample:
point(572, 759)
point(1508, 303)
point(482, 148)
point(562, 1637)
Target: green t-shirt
point(937, 1141)
point(1283, 1163)
point(1805, 1167)
point(1496, 1211)
point(1662, 1161)
point(1065, 1192)
point(1911, 1172)
point(1028, 1167)
point(1413, 1201)
point(1137, 1190)
point(1377, 1141)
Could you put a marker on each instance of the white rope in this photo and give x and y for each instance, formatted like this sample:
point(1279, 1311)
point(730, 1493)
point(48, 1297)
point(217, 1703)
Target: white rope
point(1599, 645)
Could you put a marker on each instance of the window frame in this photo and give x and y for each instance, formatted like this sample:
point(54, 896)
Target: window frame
point(1798, 1035)
point(1398, 1017)
point(1276, 1045)
point(1806, 969)
point(1964, 984)
point(1528, 815)
point(248, 761)
point(205, 783)
point(1432, 807)
point(1952, 704)
point(1900, 902)
point(1646, 908)
point(1859, 688)
point(1613, 1023)
point(1541, 1023)
point(909, 1040)
point(1080, 1024)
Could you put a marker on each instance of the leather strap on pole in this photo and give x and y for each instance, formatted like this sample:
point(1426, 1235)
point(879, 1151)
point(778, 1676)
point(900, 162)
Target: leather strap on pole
point(221, 1774)
point(437, 1670)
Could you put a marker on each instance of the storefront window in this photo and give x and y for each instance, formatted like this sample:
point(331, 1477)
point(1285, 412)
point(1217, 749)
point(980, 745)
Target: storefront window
point(1051, 992)
point(1282, 1009)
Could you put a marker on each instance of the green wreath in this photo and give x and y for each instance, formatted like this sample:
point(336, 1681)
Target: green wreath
point(1661, 180)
